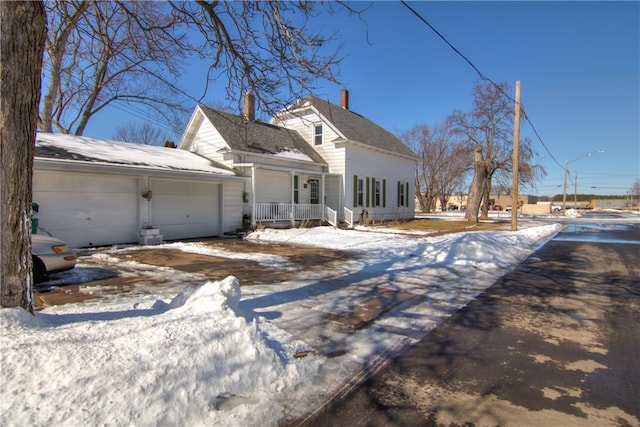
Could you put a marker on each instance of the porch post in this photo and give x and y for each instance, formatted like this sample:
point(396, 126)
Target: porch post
point(253, 197)
point(322, 195)
point(291, 199)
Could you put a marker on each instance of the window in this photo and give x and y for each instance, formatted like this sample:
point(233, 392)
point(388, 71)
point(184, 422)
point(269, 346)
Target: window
point(317, 134)
point(377, 192)
point(295, 189)
point(402, 189)
point(403, 194)
point(360, 192)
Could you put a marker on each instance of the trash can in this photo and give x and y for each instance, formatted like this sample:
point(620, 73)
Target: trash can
point(34, 217)
point(246, 222)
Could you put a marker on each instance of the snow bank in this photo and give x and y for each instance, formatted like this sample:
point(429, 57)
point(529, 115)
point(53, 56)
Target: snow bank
point(186, 362)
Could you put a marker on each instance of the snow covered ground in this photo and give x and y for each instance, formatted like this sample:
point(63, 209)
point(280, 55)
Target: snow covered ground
point(218, 354)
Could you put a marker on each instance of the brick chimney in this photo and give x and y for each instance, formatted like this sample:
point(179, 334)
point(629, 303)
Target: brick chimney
point(344, 99)
point(249, 107)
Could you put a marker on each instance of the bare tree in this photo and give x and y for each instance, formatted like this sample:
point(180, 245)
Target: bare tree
point(140, 134)
point(23, 35)
point(488, 128)
point(97, 55)
point(529, 172)
point(442, 163)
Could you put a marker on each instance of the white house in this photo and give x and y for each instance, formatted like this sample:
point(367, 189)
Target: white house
point(377, 169)
point(289, 180)
point(94, 192)
point(315, 160)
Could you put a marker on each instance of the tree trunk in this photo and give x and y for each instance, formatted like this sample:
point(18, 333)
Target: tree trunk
point(477, 187)
point(425, 200)
point(486, 195)
point(23, 35)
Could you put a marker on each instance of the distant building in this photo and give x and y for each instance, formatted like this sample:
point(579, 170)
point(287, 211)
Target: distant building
point(608, 203)
point(523, 199)
point(459, 202)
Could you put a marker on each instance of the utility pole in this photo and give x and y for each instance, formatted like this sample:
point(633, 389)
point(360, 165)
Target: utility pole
point(575, 193)
point(516, 158)
point(564, 193)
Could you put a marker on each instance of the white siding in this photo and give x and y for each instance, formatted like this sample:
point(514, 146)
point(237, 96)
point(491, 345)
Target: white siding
point(332, 155)
point(232, 206)
point(333, 191)
point(370, 164)
point(207, 142)
point(273, 186)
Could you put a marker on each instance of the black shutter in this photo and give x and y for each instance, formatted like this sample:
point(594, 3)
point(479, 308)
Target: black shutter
point(355, 190)
point(368, 191)
point(373, 192)
point(406, 192)
point(384, 193)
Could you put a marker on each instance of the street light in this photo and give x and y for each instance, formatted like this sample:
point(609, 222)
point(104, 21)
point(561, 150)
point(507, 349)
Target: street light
point(566, 173)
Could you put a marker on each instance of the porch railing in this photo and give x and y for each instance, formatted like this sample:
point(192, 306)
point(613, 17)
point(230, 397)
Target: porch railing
point(302, 212)
point(275, 212)
point(331, 216)
point(287, 212)
point(348, 217)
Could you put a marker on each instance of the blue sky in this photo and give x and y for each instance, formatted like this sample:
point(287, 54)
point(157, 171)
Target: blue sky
point(578, 63)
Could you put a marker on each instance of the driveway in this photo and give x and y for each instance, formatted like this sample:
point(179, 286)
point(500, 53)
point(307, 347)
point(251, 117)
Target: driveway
point(116, 271)
point(109, 272)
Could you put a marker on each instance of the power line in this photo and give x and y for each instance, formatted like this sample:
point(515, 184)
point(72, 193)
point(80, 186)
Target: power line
point(129, 108)
point(483, 77)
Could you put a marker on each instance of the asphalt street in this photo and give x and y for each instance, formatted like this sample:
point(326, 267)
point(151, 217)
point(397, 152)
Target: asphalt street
point(555, 342)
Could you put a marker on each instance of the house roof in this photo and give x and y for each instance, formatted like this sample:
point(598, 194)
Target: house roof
point(83, 149)
point(356, 127)
point(260, 137)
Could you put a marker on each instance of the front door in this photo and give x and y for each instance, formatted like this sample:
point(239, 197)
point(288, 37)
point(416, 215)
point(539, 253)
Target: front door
point(314, 191)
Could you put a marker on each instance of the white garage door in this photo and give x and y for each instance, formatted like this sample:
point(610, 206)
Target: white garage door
point(185, 209)
point(86, 209)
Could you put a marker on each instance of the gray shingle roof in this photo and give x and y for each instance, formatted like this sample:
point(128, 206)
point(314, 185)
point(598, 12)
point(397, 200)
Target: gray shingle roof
point(358, 128)
point(258, 137)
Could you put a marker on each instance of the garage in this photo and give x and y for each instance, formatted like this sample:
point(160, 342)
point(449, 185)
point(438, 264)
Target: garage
point(87, 209)
point(94, 192)
point(184, 209)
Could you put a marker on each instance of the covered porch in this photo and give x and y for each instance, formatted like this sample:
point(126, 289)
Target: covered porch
point(294, 196)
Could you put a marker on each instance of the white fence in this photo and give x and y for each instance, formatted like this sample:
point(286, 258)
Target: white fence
point(287, 212)
point(348, 217)
point(331, 216)
point(301, 212)
point(274, 212)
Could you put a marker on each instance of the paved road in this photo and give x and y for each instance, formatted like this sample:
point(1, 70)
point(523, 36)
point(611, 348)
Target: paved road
point(555, 342)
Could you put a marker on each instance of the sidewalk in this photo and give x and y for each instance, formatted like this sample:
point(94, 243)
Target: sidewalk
point(554, 342)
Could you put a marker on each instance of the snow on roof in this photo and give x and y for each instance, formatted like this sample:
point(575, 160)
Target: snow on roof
point(81, 148)
point(293, 155)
